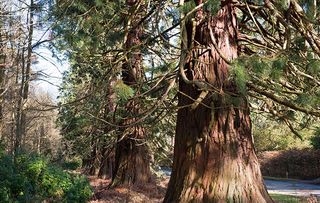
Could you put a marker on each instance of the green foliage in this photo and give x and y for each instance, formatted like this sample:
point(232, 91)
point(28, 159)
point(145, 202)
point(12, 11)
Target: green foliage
point(306, 99)
point(188, 6)
point(74, 194)
point(283, 5)
point(314, 66)
point(2, 148)
point(278, 66)
point(260, 66)
point(285, 198)
point(72, 164)
point(123, 91)
point(315, 140)
point(270, 135)
point(240, 76)
point(213, 6)
point(264, 67)
point(30, 178)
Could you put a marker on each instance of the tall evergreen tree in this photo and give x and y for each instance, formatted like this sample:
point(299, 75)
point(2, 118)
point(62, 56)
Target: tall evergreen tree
point(214, 158)
point(132, 158)
point(266, 52)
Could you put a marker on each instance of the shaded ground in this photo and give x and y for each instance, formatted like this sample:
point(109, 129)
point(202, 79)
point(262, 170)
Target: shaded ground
point(148, 193)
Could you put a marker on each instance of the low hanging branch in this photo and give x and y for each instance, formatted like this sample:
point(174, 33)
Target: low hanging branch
point(283, 101)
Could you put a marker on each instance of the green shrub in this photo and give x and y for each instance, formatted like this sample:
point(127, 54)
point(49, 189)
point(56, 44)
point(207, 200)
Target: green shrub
point(73, 194)
point(72, 164)
point(315, 140)
point(30, 178)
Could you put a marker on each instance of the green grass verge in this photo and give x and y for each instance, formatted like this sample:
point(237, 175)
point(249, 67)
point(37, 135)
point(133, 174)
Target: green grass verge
point(280, 198)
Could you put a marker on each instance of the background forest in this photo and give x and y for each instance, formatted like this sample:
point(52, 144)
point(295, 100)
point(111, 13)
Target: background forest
point(144, 82)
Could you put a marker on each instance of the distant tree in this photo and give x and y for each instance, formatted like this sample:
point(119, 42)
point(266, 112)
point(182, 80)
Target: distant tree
point(132, 157)
point(110, 91)
point(19, 22)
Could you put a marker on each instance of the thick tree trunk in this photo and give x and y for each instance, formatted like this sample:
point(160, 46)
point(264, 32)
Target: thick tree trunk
point(107, 163)
point(108, 152)
point(132, 160)
point(214, 158)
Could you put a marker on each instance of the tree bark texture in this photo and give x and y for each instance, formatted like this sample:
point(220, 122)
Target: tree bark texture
point(214, 157)
point(2, 80)
point(132, 160)
point(108, 153)
point(107, 163)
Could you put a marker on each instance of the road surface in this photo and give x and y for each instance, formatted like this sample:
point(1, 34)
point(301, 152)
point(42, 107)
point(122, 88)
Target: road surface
point(287, 187)
point(290, 187)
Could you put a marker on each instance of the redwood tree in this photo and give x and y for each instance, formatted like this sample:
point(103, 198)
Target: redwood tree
point(214, 157)
point(132, 162)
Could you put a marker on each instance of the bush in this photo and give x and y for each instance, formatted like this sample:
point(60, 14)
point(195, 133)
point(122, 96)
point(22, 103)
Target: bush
point(72, 164)
point(30, 178)
point(315, 140)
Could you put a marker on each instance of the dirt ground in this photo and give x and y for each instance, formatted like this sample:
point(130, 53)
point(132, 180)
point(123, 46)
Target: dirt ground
point(149, 193)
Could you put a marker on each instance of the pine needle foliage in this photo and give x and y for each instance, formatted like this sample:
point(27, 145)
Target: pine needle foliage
point(212, 6)
point(239, 74)
point(123, 91)
point(187, 7)
point(313, 66)
point(278, 66)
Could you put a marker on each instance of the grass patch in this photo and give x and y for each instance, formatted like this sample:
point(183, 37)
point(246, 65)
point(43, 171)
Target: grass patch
point(280, 198)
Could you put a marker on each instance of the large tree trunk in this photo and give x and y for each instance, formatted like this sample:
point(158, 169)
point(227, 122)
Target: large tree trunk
point(108, 152)
point(214, 158)
point(107, 163)
point(132, 160)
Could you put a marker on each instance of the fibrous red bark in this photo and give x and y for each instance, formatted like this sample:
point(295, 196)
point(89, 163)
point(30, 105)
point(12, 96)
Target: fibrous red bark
point(132, 160)
point(214, 157)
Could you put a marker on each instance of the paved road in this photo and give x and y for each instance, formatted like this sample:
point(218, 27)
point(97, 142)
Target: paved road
point(288, 187)
point(292, 188)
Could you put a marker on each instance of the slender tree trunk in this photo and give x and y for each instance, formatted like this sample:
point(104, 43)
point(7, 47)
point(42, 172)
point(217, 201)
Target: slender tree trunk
point(2, 81)
point(214, 157)
point(132, 161)
point(24, 89)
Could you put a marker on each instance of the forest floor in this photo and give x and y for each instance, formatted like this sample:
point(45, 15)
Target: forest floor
point(154, 192)
point(149, 193)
